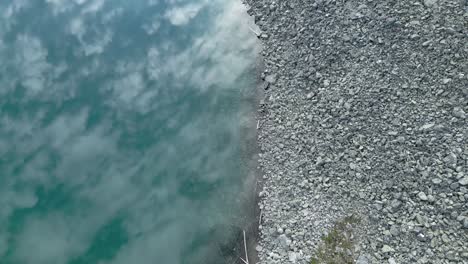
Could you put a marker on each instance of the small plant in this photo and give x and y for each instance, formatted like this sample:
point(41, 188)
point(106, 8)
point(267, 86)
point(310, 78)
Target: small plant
point(337, 246)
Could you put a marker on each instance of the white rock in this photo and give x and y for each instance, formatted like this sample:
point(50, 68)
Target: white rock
point(271, 78)
point(463, 181)
point(436, 181)
point(310, 95)
point(422, 196)
point(293, 257)
point(387, 249)
point(458, 112)
point(426, 126)
point(362, 260)
point(430, 3)
point(284, 241)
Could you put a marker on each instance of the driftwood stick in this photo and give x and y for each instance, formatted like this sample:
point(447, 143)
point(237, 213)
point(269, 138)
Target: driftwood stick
point(246, 261)
point(255, 32)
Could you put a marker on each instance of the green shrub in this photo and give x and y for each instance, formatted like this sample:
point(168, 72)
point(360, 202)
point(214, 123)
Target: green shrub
point(337, 247)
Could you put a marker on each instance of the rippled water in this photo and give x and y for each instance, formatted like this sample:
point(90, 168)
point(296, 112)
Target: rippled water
point(121, 130)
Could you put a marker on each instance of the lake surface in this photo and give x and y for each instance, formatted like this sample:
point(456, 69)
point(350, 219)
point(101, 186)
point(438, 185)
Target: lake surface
point(122, 126)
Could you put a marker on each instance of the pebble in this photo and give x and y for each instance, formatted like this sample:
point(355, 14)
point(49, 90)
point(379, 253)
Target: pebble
point(362, 259)
point(284, 241)
point(422, 196)
point(270, 78)
point(445, 238)
point(430, 3)
point(436, 181)
point(310, 95)
point(387, 249)
point(293, 257)
point(458, 112)
point(463, 181)
point(394, 231)
point(426, 126)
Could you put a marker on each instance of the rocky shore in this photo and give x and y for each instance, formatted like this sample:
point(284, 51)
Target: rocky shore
point(365, 112)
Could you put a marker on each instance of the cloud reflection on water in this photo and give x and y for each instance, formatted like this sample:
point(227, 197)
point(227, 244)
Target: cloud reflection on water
point(103, 125)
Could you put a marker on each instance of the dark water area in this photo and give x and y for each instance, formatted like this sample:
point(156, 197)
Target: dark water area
point(123, 130)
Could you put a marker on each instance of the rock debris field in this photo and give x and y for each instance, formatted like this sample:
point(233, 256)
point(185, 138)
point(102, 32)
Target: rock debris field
point(364, 112)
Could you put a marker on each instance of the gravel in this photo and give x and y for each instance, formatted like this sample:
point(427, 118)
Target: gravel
point(364, 112)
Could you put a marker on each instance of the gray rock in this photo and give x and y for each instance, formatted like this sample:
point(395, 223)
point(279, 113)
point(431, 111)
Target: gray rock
point(436, 181)
point(445, 238)
point(463, 181)
point(458, 112)
point(430, 3)
point(395, 204)
point(422, 196)
point(422, 237)
point(427, 126)
point(280, 230)
point(293, 257)
point(465, 223)
point(387, 249)
point(431, 198)
point(446, 80)
point(426, 43)
point(391, 261)
point(451, 158)
point(284, 241)
point(454, 186)
point(271, 79)
point(421, 220)
point(363, 259)
point(394, 231)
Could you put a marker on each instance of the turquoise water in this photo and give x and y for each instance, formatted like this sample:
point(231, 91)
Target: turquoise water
point(121, 130)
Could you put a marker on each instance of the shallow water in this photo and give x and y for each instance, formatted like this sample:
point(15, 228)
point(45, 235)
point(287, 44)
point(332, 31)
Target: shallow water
point(121, 130)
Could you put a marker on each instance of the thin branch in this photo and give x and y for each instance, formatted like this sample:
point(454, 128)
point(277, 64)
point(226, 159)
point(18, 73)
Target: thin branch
point(246, 261)
point(243, 260)
point(256, 33)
